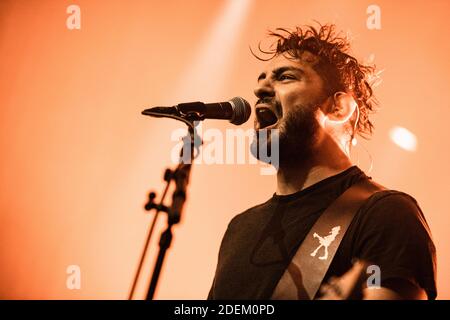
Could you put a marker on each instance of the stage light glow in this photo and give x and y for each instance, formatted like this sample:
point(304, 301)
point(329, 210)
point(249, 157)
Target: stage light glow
point(207, 74)
point(403, 138)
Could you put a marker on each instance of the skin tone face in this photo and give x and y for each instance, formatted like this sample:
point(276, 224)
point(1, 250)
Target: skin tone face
point(290, 83)
point(292, 91)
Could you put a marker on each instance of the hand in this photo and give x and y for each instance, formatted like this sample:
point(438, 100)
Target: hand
point(347, 286)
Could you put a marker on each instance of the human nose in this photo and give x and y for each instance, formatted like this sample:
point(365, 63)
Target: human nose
point(264, 89)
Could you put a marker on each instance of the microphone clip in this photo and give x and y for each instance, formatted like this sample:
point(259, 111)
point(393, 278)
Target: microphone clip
point(191, 116)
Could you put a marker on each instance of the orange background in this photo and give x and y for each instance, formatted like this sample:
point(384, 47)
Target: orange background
point(77, 158)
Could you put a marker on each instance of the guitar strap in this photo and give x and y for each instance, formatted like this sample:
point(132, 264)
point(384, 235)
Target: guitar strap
point(305, 273)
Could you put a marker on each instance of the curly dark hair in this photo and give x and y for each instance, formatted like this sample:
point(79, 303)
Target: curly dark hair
point(339, 70)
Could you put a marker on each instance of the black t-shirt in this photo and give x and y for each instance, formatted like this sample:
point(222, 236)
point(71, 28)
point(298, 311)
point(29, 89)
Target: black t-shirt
point(389, 230)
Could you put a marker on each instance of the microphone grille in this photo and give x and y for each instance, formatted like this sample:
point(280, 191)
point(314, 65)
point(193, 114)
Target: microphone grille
point(241, 110)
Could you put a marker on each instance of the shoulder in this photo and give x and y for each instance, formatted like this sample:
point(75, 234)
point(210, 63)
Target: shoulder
point(249, 216)
point(247, 224)
point(394, 209)
point(390, 197)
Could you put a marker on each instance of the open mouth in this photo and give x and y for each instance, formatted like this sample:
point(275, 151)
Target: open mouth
point(266, 117)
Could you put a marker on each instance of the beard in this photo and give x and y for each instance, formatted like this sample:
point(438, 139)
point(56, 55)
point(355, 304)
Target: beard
point(297, 135)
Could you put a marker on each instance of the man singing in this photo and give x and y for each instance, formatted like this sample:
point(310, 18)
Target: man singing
point(318, 98)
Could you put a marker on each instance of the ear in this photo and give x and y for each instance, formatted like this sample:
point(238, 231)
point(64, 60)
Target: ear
point(342, 109)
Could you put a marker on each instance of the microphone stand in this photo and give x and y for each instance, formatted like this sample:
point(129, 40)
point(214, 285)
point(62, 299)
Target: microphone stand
point(180, 176)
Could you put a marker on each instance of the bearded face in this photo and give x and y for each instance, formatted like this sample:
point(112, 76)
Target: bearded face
point(289, 92)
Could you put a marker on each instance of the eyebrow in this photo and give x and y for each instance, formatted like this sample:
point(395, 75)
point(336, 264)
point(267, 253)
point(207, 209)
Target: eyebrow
point(277, 72)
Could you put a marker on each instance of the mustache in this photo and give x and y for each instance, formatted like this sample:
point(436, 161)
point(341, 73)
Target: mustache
point(272, 102)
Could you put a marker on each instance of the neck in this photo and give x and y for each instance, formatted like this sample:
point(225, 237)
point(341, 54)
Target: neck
point(328, 160)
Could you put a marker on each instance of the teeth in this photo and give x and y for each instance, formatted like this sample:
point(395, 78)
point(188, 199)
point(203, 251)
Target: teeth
point(266, 117)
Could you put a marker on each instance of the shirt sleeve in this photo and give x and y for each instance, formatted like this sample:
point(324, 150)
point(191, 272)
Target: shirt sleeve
point(395, 237)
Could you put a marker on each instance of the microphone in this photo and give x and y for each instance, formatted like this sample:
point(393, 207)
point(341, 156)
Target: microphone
point(237, 110)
